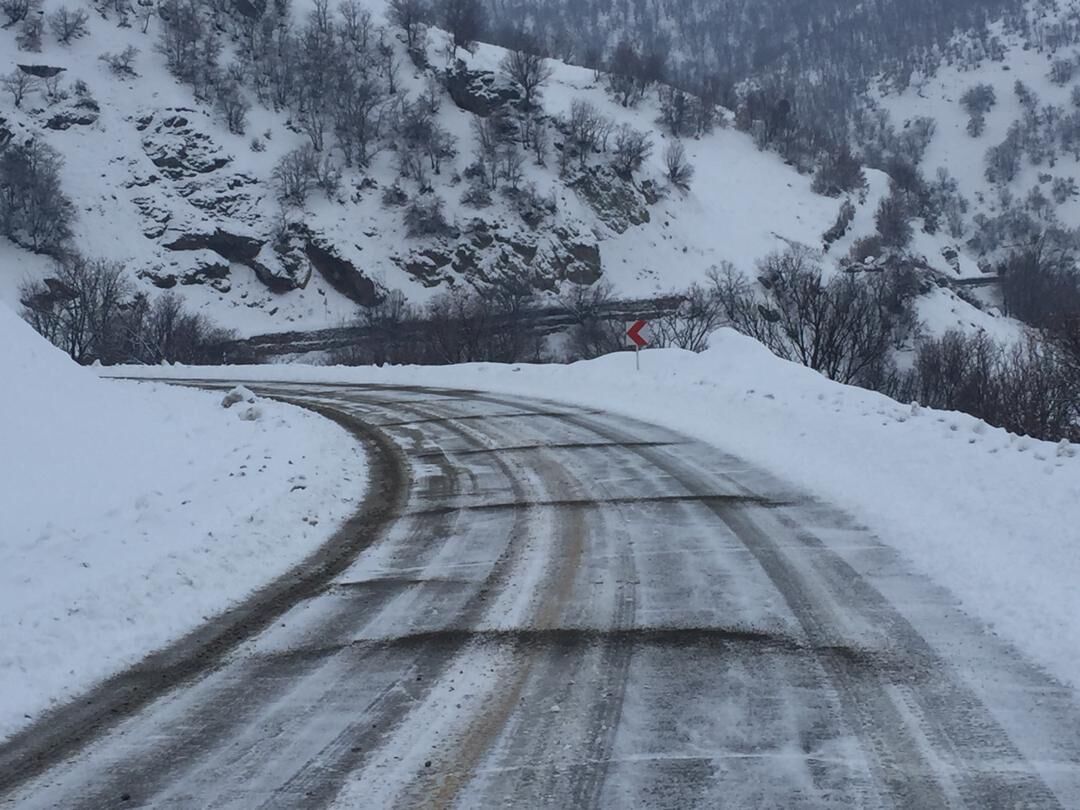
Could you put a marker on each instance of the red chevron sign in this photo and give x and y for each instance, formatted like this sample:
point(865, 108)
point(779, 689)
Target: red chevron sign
point(634, 333)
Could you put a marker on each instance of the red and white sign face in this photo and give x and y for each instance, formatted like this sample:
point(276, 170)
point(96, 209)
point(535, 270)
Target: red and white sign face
point(634, 333)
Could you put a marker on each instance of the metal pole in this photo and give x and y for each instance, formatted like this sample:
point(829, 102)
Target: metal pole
point(637, 358)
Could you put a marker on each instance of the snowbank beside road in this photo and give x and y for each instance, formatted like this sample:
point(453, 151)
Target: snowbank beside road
point(132, 512)
point(993, 517)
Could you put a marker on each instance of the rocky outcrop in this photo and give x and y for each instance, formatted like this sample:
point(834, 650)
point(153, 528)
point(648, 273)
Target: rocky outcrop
point(576, 260)
point(243, 250)
point(214, 273)
point(491, 253)
point(41, 71)
point(481, 92)
point(83, 112)
point(617, 202)
point(155, 218)
point(303, 246)
point(341, 274)
point(176, 143)
point(230, 246)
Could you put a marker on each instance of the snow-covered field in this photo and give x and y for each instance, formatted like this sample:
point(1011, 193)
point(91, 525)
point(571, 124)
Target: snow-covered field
point(993, 517)
point(132, 512)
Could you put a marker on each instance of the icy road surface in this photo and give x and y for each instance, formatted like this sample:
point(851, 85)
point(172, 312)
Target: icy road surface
point(568, 609)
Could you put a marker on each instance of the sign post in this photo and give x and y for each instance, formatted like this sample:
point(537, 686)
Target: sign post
point(634, 333)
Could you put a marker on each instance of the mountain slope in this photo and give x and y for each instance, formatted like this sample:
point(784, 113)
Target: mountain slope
point(160, 184)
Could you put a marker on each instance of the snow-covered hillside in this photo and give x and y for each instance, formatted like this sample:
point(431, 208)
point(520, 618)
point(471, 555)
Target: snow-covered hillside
point(1007, 128)
point(133, 512)
point(160, 184)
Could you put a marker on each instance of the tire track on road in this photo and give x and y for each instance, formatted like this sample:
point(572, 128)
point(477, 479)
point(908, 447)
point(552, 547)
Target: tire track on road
point(63, 732)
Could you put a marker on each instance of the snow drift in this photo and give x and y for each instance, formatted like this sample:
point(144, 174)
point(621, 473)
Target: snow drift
point(132, 512)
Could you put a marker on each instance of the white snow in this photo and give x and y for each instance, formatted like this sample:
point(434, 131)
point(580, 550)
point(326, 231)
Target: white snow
point(742, 205)
point(938, 97)
point(132, 512)
point(993, 517)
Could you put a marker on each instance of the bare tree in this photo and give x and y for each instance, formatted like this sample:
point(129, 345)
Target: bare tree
point(493, 135)
point(233, 106)
point(358, 116)
point(632, 149)
point(679, 170)
point(18, 84)
point(29, 38)
point(121, 63)
point(295, 174)
point(34, 211)
point(81, 308)
point(67, 25)
point(409, 15)
point(844, 328)
point(465, 21)
point(594, 332)
point(18, 10)
point(624, 72)
point(584, 128)
point(526, 66)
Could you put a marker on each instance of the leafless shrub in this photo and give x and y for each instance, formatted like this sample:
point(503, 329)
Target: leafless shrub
point(632, 149)
point(525, 64)
point(295, 175)
point(89, 309)
point(679, 170)
point(18, 84)
point(425, 217)
point(844, 328)
point(1030, 388)
point(67, 25)
point(29, 38)
point(232, 106)
point(594, 332)
point(18, 10)
point(121, 63)
point(700, 313)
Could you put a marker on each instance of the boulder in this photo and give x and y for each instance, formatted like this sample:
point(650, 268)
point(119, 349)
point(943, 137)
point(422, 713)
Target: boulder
point(482, 92)
point(239, 250)
point(41, 71)
point(341, 274)
point(230, 246)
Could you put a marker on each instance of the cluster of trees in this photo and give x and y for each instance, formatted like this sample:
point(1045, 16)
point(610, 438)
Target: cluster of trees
point(34, 211)
point(89, 309)
point(1031, 388)
point(977, 101)
point(335, 71)
point(938, 203)
point(1043, 133)
point(794, 72)
point(461, 325)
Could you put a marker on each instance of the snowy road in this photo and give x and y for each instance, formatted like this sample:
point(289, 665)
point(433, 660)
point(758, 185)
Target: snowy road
point(569, 609)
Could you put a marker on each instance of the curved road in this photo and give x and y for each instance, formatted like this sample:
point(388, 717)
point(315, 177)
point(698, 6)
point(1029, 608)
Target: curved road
point(567, 609)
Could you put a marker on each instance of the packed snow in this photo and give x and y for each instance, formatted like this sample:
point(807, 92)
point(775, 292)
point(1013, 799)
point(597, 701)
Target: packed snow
point(992, 516)
point(133, 512)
